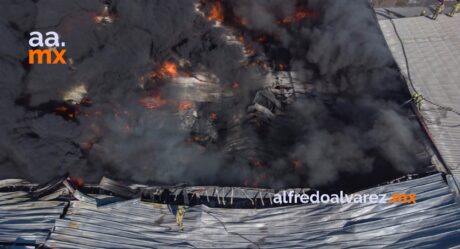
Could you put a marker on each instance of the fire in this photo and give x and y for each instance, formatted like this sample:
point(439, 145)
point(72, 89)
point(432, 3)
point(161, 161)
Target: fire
point(154, 102)
point(199, 139)
point(248, 49)
point(185, 105)
point(168, 69)
point(76, 181)
point(241, 38)
point(86, 102)
point(67, 112)
point(299, 16)
point(61, 109)
point(105, 16)
point(216, 13)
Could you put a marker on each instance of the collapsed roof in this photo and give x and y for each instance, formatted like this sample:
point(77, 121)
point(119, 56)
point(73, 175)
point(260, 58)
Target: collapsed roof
point(110, 214)
point(310, 96)
point(66, 218)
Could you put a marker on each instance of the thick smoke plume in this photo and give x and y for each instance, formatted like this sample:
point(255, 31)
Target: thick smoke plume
point(351, 123)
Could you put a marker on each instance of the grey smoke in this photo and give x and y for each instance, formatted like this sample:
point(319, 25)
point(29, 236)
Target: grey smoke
point(342, 53)
point(345, 56)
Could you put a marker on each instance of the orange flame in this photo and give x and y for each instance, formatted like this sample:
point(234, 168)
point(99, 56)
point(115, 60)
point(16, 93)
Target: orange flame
point(248, 49)
point(67, 113)
point(76, 181)
point(168, 69)
point(299, 16)
point(216, 13)
point(185, 105)
point(241, 38)
point(154, 102)
point(61, 109)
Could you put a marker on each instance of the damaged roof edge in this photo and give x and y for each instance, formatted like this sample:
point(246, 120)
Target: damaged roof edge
point(213, 196)
point(137, 224)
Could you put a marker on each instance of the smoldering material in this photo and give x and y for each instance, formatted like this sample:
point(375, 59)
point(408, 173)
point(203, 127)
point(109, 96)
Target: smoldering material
point(353, 123)
point(361, 124)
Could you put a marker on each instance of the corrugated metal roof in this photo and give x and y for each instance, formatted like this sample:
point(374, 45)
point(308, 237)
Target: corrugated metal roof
point(432, 50)
point(24, 221)
point(433, 222)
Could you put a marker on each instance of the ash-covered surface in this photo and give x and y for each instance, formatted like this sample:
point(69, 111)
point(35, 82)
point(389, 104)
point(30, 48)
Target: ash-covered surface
point(171, 91)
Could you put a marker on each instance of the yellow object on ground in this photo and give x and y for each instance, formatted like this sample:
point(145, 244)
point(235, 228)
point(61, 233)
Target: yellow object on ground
point(455, 9)
point(418, 99)
point(180, 217)
point(441, 7)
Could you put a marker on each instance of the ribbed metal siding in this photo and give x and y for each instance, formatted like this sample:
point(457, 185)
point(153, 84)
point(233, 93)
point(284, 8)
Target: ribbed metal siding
point(433, 222)
point(26, 221)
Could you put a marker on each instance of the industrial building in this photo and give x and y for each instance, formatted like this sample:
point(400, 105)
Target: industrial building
point(64, 214)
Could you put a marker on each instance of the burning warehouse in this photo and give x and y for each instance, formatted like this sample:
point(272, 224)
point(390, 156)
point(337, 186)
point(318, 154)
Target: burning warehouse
point(177, 124)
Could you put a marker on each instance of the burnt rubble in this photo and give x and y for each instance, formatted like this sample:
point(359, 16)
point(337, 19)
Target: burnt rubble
point(300, 94)
point(108, 191)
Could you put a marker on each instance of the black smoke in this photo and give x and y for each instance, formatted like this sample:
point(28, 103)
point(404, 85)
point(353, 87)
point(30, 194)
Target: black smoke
point(353, 125)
